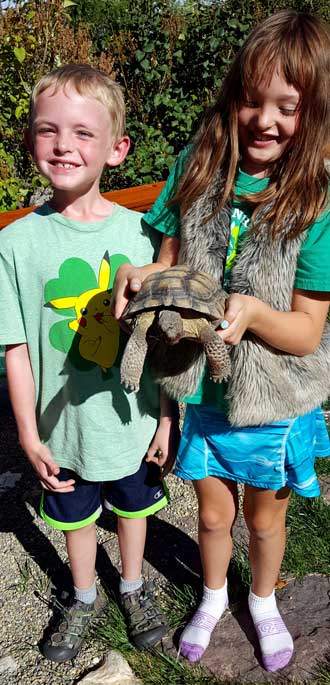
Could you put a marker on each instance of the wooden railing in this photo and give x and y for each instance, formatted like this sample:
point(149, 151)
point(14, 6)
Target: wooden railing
point(139, 198)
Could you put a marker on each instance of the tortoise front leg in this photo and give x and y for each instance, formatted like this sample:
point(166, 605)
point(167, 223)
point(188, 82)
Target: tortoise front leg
point(135, 353)
point(217, 354)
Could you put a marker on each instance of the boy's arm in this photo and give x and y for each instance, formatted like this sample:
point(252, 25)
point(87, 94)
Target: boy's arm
point(129, 277)
point(22, 395)
point(164, 446)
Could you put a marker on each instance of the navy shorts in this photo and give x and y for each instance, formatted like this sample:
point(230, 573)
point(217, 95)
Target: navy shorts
point(135, 496)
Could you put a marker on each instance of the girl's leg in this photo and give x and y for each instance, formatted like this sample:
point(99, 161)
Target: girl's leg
point(218, 505)
point(265, 512)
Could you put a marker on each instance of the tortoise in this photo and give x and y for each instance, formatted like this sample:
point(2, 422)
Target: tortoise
point(173, 318)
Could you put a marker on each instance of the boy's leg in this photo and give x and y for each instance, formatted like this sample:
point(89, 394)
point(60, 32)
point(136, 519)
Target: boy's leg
point(81, 548)
point(265, 512)
point(132, 539)
point(145, 622)
point(218, 505)
point(133, 498)
point(75, 513)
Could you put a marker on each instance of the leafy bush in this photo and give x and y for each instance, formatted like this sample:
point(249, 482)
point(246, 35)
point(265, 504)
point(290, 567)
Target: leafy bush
point(170, 57)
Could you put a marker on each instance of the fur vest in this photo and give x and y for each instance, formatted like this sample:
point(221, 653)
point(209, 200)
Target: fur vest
point(266, 384)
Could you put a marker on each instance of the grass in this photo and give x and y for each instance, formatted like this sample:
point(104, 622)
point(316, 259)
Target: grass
point(155, 667)
point(322, 672)
point(179, 604)
point(308, 540)
point(29, 572)
point(322, 467)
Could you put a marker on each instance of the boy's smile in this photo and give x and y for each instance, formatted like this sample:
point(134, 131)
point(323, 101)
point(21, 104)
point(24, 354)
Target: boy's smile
point(267, 120)
point(72, 140)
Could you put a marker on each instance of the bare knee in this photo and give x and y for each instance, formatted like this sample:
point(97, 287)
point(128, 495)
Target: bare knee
point(212, 521)
point(265, 527)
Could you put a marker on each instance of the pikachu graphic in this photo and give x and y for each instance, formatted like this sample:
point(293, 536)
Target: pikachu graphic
point(98, 329)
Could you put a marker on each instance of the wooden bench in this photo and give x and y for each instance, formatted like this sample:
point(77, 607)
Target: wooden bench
point(139, 198)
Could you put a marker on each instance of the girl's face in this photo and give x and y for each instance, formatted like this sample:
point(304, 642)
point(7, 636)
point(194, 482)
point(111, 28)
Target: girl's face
point(267, 120)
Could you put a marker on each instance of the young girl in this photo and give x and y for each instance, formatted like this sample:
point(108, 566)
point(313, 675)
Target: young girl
point(249, 204)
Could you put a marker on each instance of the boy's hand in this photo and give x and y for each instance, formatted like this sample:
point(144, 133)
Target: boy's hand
point(164, 447)
point(46, 468)
point(127, 282)
point(129, 278)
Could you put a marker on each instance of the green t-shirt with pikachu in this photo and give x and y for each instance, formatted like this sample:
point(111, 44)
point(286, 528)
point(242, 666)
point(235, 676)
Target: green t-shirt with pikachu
point(56, 276)
point(312, 271)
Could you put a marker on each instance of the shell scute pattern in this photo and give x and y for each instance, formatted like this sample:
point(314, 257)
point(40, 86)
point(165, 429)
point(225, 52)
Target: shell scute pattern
point(178, 287)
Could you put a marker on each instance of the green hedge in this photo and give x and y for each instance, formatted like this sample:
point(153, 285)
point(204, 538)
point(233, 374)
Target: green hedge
point(169, 56)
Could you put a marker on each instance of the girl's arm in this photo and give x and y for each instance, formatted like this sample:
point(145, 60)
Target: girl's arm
point(129, 278)
point(22, 395)
point(164, 446)
point(297, 332)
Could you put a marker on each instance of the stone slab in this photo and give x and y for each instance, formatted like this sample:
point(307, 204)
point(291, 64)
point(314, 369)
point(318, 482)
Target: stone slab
point(234, 654)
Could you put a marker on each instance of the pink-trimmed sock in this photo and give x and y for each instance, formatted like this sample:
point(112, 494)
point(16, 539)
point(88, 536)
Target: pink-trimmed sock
point(275, 641)
point(197, 634)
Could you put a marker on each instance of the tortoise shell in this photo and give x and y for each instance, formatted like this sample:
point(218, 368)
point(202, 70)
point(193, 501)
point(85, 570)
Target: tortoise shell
point(181, 287)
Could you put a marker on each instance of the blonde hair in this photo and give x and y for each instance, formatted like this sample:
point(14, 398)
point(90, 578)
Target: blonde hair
point(87, 81)
point(298, 44)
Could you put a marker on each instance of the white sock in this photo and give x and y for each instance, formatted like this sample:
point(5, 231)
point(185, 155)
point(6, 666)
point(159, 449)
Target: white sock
point(275, 641)
point(197, 634)
point(87, 596)
point(129, 585)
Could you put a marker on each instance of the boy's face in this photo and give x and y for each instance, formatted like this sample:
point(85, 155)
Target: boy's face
point(71, 140)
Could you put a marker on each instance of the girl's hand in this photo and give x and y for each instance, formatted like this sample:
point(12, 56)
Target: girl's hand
point(240, 313)
point(297, 331)
point(164, 446)
point(46, 468)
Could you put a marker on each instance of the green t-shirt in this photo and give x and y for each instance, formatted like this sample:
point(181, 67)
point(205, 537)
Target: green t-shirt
point(312, 272)
point(56, 275)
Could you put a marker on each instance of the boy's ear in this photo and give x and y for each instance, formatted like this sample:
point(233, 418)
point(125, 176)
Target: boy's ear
point(119, 151)
point(28, 141)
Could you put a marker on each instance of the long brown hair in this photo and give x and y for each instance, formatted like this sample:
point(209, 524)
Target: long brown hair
point(299, 44)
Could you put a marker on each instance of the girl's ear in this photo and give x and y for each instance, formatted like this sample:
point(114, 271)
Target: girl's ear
point(28, 141)
point(119, 151)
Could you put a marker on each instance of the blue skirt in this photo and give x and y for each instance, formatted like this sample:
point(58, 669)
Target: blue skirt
point(271, 456)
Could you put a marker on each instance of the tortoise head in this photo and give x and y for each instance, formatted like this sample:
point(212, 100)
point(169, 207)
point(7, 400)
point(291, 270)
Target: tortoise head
point(170, 324)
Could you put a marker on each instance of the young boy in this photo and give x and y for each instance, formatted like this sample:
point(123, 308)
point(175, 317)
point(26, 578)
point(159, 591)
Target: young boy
point(76, 424)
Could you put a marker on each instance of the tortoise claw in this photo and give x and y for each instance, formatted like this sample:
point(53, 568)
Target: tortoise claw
point(130, 385)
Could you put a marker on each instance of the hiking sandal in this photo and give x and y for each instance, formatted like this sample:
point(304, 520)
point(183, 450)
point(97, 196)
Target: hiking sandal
point(68, 635)
point(146, 625)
